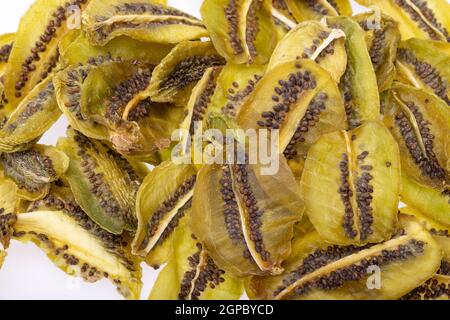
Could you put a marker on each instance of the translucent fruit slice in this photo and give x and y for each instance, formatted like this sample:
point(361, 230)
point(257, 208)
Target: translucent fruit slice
point(313, 40)
point(359, 83)
point(242, 31)
point(174, 78)
point(163, 200)
point(426, 19)
point(382, 38)
point(191, 274)
point(144, 20)
point(246, 217)
point(322, 271)
point(351, 184)
point(104, 183)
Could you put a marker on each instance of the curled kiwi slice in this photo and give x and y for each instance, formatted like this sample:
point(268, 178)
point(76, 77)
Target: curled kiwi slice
point(104, 183)
point(174, 78)
point(247, 218)
point(382, 38)
point(438, 286)
point(34, 54)
point(420, 123)
point(351, 183)
point(142, 20)
point(160, 205)
point(304, 10)
point(301, 100)
point(313, 40)
point(320, 270)
point(359, 83)
point(242, 31)
point(191, 274)
point(426, 19)
point(34, 170)
point(424, 64)
point(31, 119)
point(6, 44)
point(75, 48)
point(77, 245)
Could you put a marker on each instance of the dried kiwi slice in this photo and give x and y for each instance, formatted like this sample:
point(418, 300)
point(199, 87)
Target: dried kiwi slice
point(6, 44)
point(382, 37)
point(77, 245)
point(174, 78)
point(191, 274)
point(143, 20)
point(31, 119)
point(426, 19)
point(242, 31)
point(351, 183)
point(301, 100)
point(320, 270)
point(420, 122)
point(34, 54)
point(104, 183)
point(359, 82)
point(162, 201)
point(246, 218)
point(34, 170)
point(75, 48)
point(313, 40)
point(424, 64)
point(316, 9)
point(235, 85)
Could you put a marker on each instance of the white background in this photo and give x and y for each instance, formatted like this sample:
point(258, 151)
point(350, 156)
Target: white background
point(27, 272)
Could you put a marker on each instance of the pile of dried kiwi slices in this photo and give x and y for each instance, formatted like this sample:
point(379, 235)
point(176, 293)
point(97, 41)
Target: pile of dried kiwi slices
point(361, 102)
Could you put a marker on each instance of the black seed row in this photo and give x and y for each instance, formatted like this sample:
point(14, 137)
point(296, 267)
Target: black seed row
point(75, 78)
point(28, 66)
point(232, 16)
point(252, 27)
point(357, 271)
point(427, 162)
point(17, 166)
point(113, 243)
point(34, 106)
point(190, 70)
point(236, 96)
point(364, 198)
point(441, 233)
point(141, 111)
point(126, 91)
point(430, 290)
point(429, 75)
point(208, 275)
point(232, 217)
point(378, 45)
point(309, 120)
point(285, 95)
point(430, 16)
point(308, 52)
point(346, 194)
point(316, 260)
point(317, 7)
point(415, 16)
point(254, 213)
point(152, 8)
point(335, 6)
point(203, 100)
point(99, 188)
point(7, 221)
point(168, 205)
point(174, 222)
point(5, 50)
point(105, 30)
point(347, 93)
